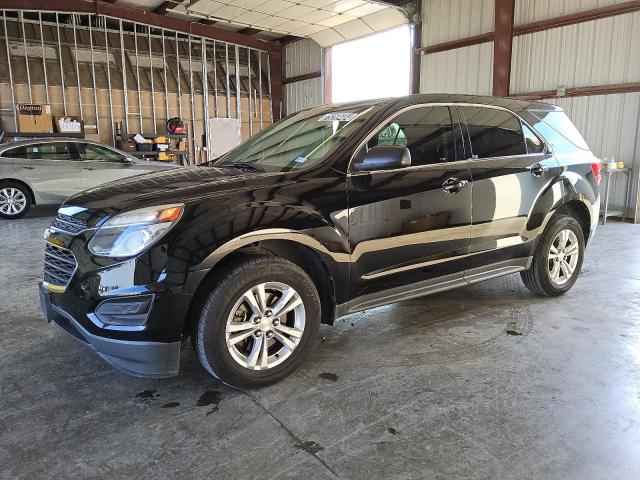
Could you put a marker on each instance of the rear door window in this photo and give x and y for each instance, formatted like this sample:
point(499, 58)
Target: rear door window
point(534, 144)
point(494, 132)
point(41, 151)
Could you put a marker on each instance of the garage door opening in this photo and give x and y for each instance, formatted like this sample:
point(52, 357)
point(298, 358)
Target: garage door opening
point(376, 66)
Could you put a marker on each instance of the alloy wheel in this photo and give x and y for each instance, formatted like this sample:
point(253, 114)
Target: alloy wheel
point(265, 325)
point(563, 256)
point(12, 201)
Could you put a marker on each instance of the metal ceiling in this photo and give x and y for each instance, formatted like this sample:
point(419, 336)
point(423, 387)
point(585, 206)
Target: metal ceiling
point(326, 21)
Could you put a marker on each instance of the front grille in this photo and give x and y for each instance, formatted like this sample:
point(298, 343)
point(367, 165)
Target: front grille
point(68, 224)
point(59, 266)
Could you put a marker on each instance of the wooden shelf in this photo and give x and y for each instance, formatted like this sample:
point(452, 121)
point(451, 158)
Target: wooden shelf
point(155, 153)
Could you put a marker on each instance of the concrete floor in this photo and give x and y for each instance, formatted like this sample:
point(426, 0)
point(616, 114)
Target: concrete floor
point(482, 382)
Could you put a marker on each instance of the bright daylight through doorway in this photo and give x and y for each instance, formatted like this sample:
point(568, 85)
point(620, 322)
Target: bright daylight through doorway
point(376, 66)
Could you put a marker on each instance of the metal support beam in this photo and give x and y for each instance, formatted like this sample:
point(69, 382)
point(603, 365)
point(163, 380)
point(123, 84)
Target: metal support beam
point(416, 40)
point(275, 76)
point(299, 78)
point(502, 44)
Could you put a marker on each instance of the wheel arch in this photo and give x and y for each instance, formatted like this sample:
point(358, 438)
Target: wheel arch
point(327, 269)
point(24, 184)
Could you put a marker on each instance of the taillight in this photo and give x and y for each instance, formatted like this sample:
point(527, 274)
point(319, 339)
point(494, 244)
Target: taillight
point(595, 168)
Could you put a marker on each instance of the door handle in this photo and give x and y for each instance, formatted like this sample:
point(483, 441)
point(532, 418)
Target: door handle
point(538, 169)
point(28, 168)
point(88, 168)
point(454, 185)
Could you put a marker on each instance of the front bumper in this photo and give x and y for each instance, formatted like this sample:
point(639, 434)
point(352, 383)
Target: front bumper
point(139, 358)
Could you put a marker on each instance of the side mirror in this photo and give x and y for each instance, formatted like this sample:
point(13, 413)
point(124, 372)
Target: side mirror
point(384, 157)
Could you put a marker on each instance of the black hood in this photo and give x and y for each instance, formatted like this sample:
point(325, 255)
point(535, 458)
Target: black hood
point(179, 185)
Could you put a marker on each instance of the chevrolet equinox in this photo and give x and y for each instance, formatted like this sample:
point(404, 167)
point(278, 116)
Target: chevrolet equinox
point(330, 211)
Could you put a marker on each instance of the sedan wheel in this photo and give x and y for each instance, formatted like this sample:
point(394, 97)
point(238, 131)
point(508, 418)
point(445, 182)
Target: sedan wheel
point(14, 201)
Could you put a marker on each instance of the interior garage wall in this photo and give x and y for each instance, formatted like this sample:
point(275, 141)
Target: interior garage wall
point(600, 52)
point(235, 84)
point(300, 58)
point(462, 70)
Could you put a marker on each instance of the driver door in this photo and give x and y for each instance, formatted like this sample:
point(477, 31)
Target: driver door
point(408, 231)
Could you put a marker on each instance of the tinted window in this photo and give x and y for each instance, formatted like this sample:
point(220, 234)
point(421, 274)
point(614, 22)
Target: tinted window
point(19, 152)
point(534, 144)
point(97, 153)
point(558, 130)
point(41, 151)
point(427, 132)
point(493, 132)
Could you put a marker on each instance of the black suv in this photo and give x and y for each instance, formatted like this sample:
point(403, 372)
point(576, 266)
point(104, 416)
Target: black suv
point(332, 210)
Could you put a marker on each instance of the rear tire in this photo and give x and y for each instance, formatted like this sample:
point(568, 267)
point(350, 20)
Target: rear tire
point(259, 323)
point(557, 260)
point(15, 200)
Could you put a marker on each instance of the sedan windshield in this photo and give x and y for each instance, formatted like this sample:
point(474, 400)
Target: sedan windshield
point(299, 141)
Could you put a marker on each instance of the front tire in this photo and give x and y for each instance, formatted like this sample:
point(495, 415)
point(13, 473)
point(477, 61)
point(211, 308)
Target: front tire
point(15, 200)
point(557, 260)
point(259, 323)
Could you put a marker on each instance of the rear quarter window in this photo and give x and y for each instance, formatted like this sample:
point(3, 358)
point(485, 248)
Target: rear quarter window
point(19, 152)
point(559, 131)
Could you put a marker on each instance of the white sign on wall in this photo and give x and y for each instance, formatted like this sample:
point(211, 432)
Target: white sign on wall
point(224, 134)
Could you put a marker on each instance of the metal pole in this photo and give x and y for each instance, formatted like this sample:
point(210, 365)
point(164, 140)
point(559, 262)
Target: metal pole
point(135, 47)
point(26, 54)
point(238, 108)
point(106, 49)
point(260, 84)
point(226, 71)
point(93, 76)
point(153, 92)
point(205, 96)
point(164, 73)
point(269, 85)
point(249, 88)
point(13, 97)
point(215, 78)
point(124, 80)
point(192, 101)
point(75, 47)
point(64, 101)
point(44, 63)
point(178, 77)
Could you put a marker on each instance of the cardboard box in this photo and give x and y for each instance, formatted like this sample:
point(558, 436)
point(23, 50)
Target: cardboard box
point(68, 124)
point(34, 118)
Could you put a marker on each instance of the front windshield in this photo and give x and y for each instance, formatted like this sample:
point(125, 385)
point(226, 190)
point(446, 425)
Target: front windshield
point(299, 141)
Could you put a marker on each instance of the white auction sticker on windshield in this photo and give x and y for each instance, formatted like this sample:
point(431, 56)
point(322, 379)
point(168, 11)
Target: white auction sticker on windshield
point(338, 117)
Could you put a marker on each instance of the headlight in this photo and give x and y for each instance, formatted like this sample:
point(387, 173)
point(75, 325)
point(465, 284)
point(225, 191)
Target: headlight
point(131, 232)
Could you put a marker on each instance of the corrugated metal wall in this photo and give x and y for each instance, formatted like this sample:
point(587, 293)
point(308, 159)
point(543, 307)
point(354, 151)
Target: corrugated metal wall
point(463, 70)
point(303, 56)
point(474, 63)
point(599, 52)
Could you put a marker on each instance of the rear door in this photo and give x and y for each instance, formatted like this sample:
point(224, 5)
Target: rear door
point(49, 168)
point(101, 165)
point(510, 170)
point(409, 227)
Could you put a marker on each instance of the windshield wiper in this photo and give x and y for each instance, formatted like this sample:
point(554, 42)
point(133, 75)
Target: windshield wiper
point(242, 166)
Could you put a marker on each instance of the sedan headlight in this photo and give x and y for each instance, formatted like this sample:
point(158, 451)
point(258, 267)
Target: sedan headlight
point(131, 232)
